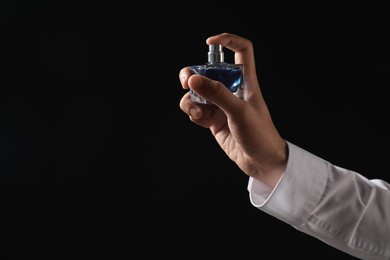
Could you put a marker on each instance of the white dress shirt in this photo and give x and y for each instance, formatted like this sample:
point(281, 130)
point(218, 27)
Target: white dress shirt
point(338, 206)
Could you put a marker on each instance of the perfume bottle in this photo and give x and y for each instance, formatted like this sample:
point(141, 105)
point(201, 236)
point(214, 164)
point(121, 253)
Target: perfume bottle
point(217, 69)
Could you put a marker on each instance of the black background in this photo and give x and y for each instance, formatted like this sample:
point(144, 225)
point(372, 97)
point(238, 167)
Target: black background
point(97, 159)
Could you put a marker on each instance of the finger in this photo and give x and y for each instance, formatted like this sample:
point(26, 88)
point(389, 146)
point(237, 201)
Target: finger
point(241, 46)
point(199, 114)
point(243, 51)
point(190, 108)
point(184, 74)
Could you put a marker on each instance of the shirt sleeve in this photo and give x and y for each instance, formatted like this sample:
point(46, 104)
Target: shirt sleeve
point(338, 206)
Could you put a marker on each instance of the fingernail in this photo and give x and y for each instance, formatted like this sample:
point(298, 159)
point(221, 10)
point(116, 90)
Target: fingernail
point(182, 77)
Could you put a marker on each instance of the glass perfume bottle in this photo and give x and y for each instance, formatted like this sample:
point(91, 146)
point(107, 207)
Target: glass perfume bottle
point(217, 69)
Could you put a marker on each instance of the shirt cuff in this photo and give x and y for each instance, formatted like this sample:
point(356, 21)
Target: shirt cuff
point(298, 191)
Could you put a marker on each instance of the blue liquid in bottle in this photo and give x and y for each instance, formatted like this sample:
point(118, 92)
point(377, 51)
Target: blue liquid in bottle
point(230, 76)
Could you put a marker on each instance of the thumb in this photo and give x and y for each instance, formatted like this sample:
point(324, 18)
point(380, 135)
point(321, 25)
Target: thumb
point(214, 91)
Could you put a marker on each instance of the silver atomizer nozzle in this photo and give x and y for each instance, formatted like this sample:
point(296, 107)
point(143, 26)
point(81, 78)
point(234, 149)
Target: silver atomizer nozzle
point(215, 54)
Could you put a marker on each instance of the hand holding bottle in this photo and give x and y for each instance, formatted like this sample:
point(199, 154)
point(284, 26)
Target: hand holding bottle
point(242, 127)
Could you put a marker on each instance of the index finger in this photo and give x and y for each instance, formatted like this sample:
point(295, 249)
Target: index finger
point(242, 47)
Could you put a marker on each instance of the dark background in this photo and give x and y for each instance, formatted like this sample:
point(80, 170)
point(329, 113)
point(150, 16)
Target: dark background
point(97, 159)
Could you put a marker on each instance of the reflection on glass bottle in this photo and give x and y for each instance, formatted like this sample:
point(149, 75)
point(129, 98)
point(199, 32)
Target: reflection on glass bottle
point(217, 69)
